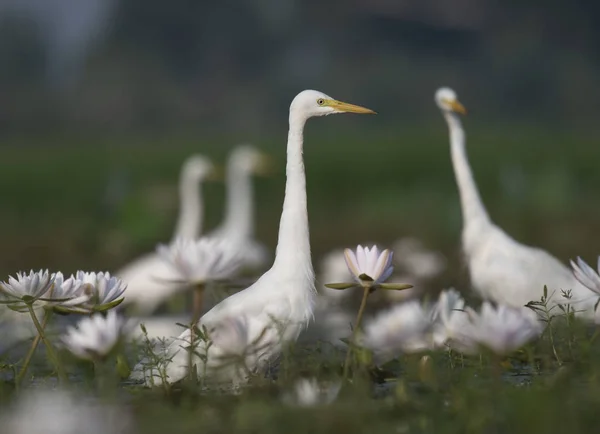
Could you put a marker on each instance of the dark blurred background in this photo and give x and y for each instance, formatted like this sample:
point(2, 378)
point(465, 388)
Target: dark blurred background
point(102, 100)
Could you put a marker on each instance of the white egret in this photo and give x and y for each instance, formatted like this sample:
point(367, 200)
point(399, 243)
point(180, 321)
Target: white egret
point(502, 269)
point(149, 278)
point(280, 303)
point(238, 225)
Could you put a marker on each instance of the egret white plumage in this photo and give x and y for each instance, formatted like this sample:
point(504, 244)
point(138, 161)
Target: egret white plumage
point(280, 303)
point(502, 269)
point(149, 279)
point(333, 318)
point(238, 225)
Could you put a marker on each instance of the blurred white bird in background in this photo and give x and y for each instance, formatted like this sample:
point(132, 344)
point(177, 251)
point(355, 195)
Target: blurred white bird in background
point(502, 269)
point(149, 278)
point(239, 223)
point(280, 304)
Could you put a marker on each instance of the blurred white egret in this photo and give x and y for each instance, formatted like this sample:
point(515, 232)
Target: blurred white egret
point(502, 269)
point(280, 303)
point(149, 278)
point(238, 225)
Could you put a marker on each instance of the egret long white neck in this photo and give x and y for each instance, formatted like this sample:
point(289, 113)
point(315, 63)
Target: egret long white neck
point(239, 212)
point(473, 210)
point(293, 246)
point(189, 222)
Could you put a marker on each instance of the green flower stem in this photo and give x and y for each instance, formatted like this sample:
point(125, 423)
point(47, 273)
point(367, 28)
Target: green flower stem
point(105, 377)
point(34, 345)
point(198, 297)
point(497, 370)
point(361, 311)
point(51, 354)
point(197, 302)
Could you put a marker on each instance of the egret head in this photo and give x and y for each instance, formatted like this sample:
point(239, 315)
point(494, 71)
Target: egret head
point(309, 103)
point(447, 101)
point(248, 159)
point(198, 167)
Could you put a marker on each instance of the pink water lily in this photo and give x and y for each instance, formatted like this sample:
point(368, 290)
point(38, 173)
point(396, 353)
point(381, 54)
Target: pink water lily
point(370, 265)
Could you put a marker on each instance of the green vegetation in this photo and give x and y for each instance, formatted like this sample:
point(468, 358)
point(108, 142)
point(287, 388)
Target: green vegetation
point(94, 203)
point(540, 186)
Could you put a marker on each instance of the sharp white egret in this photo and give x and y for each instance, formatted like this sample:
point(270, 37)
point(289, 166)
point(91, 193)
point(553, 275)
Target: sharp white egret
point(238, 225)
point(502, 269)
point(149, 278)
point(280, 303)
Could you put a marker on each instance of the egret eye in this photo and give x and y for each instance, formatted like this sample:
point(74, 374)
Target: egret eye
point(320, 101)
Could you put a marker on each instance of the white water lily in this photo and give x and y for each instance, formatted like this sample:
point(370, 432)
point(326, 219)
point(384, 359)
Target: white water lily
point(406, 328)
point(369, 265)
point(97, 336)
point(202, 260)
point(503, 329)
point(67, 292)
point(451, 322)
point(26, 288)
point(586, 275)
point(414, 327)
point(310, 393)
point(105, 291)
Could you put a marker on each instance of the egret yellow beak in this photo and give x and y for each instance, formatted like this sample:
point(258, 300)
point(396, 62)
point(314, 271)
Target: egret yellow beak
point(348, 108)
point(216, 174)
point(456, 106)
point(265, 166)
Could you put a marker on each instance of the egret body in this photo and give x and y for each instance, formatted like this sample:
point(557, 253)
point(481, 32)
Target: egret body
point(274, 310)
point(239, 222)
point(148, 277)
point(502, 269)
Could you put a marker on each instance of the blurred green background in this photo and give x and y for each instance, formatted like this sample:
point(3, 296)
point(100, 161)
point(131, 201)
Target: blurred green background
point(101, 101)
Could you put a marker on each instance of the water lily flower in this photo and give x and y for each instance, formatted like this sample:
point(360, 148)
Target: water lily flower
point(406, 328)
point(415, 327)
point(26, 288)
point(202, 260)
point(67, 292)
point(451, 323)
point(105, 291)
point(310, 393)
point(503, 329)
point(369, 265)
point(586, 275)
point(97, 336)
